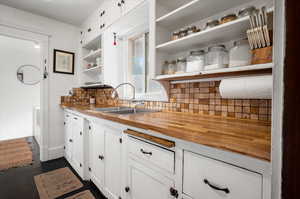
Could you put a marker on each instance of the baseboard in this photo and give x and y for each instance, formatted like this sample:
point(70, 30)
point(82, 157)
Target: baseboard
point(55, 152)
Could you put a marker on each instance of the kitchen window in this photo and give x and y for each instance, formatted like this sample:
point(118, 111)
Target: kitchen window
point(138, 67)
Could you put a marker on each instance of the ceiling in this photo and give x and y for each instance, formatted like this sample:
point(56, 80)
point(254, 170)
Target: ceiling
point(68, 11)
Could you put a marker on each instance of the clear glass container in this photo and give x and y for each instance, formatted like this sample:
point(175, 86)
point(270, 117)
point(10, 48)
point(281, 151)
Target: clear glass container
point(181, 65)
point(217, 57)
point(172, 67)
point(165, 68)
point(195, 61)
point(240, 54)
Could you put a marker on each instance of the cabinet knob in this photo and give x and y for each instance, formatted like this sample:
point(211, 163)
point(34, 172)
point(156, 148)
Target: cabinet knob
point(64, 123)
point(119, 4)
point(101, 157)
point(127, 189)
point(174, 192)
point(70, 140)
point(80, 133)
point(123, 1)
point(89, 30)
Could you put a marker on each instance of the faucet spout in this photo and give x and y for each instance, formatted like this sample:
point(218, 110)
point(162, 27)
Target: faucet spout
point(115, 94)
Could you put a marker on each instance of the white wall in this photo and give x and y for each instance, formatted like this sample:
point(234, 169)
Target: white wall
point(17, 100)
point(64, 37)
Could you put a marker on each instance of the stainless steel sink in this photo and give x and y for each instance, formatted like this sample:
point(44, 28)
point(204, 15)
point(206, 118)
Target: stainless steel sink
point(124, 110)
point(132, 111)
point(108, 109)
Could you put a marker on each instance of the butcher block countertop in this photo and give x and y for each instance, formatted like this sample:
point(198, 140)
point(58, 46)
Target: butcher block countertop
point(247, 137)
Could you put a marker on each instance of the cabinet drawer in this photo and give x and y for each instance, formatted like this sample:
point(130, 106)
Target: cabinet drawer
point(207, 178)
point(156, 155)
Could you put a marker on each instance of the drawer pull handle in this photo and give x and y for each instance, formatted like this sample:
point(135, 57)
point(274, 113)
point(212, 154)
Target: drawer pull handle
point(226, 190)
point(145, 152)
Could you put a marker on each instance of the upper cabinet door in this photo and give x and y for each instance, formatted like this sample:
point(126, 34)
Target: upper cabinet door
point(113, 10)
point(128, 5)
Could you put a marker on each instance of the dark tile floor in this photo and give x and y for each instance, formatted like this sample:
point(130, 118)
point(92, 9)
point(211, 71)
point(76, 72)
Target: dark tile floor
point(18, 183)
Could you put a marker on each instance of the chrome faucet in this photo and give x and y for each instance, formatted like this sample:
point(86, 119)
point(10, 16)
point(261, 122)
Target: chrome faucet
point(115, 94)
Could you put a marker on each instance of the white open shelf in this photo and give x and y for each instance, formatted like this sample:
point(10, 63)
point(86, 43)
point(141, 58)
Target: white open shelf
point(219, 34)
point(186, 76)
point(94, 69)
point(93, 55)
point(195, 11)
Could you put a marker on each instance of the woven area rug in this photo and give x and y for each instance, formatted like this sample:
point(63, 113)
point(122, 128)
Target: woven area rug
point(15, 153)
point(82, 195)
point(56, 183)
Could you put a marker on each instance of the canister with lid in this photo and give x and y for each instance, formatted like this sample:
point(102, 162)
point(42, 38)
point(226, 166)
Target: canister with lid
point(181, 65)
point(217, 57)
point(240, 54)
point(195, 61)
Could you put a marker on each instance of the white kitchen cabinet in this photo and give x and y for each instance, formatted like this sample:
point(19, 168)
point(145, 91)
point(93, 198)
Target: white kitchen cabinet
point(145, 183)
point(113, 149)
point(128, 5)
point(208, 178)
point(96, 138)
point(68, 137)
point(74, 142)
point(77, 149)
point(114, 11)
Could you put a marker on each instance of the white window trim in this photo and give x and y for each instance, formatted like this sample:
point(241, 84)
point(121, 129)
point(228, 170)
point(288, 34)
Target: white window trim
point(125, 38)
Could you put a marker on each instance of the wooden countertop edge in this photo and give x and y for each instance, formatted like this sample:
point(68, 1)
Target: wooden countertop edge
point(116, 118)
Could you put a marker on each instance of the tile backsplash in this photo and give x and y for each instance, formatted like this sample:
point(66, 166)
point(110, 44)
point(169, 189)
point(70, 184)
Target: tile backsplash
point(199, 98)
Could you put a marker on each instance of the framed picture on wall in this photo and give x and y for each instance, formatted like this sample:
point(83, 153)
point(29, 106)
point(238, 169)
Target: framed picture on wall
point(63, 62)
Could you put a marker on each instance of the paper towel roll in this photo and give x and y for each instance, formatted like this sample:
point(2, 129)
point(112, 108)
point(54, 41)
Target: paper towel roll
point(258, 87)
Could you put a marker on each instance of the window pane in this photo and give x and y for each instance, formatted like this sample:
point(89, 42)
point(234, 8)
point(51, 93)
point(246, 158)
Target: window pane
point(139, 67)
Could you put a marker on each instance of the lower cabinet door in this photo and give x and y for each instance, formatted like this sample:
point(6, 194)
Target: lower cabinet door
point(68, 137)
point(208, 178)
point(77, 155)
point(113, 176)
point(97, 154)
point(144, 183)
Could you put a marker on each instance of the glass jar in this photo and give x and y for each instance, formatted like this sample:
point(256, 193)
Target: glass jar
point(175, 35)
point(183, 32)
point(172, 67)
point(240, 54)
point(165, 68)
point(192, 29)
point(195, 61)
point(217, 57)
point(181, 65)
point(211, 24)
point(246, 11)
point(228, 18)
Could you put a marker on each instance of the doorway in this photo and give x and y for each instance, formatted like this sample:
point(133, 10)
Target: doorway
point(24, 86)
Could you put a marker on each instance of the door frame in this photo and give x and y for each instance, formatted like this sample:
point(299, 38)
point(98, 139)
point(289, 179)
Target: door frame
point(20, 32)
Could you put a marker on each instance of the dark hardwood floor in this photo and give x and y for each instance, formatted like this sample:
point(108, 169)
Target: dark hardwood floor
point(18, 183)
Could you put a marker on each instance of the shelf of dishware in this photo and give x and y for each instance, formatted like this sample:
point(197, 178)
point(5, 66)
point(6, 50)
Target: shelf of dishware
point(93, 55)
point(223, 72)
point(95, 69)
point(195, 10)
